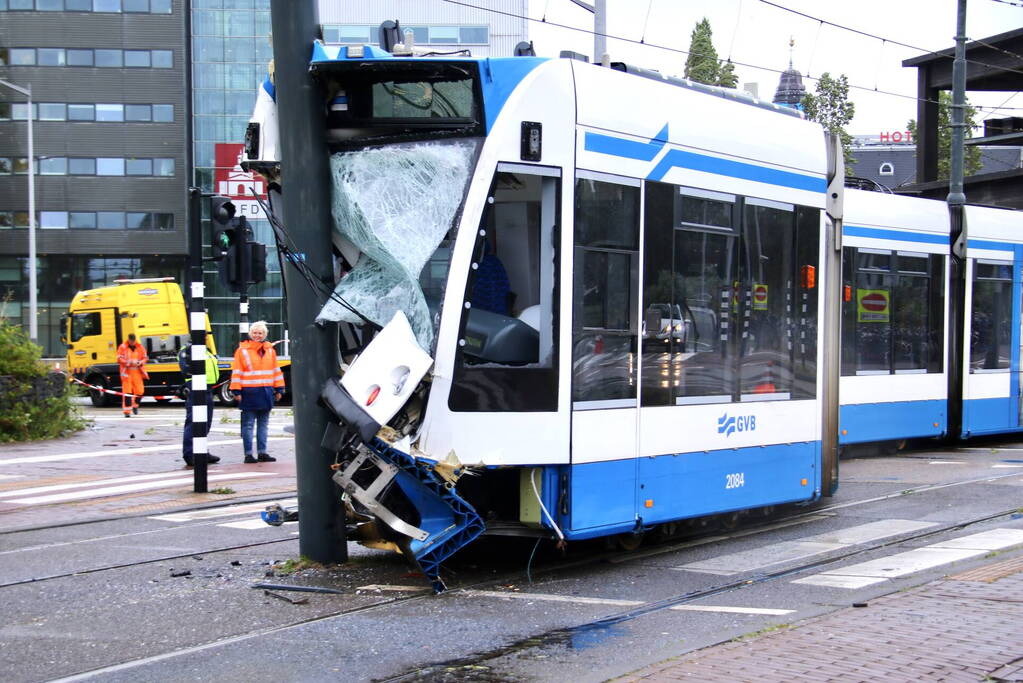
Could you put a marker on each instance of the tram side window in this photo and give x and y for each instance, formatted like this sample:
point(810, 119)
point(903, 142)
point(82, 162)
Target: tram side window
point(765, 303)
point(990, 325)
point(689, 272)
point(891, 312)
point(85, 325)
point(804, 350)
point(506, 358)
point(604, 320)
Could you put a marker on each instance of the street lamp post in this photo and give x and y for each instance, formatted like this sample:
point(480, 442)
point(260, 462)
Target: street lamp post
point(33, 324)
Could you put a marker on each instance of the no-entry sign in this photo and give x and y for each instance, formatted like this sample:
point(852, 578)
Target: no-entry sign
point(759, 297)
point(872, 305)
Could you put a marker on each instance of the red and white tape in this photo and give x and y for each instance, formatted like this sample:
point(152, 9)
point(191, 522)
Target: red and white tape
point(121, 393)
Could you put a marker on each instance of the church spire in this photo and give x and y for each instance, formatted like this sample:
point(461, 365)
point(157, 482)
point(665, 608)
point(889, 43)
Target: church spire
point(790, 86)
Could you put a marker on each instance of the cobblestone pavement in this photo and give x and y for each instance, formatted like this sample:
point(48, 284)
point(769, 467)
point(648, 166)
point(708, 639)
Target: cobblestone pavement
point(967, 627)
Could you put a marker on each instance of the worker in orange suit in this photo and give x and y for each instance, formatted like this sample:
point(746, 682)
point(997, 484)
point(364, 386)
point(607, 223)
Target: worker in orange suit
point(131, 359)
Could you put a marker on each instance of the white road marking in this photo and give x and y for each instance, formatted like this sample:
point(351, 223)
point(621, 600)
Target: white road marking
point(116, 451)
point(547, 597)
point(393, 587)
point(1005, 467)
point(12, 476)
point(789, 551)
point(946, 462)
point(732, 610)
point(228, 511)
point(912, 561)
point(131, 488)
point(252, 524)
point(15, 493)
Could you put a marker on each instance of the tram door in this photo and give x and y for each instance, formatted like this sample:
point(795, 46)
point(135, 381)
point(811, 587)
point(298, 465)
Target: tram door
point(505, 384)
point(605, 333)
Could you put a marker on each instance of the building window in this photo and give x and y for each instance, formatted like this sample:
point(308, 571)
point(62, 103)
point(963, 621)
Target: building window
point(80, 58)
point(60, 111)
point(52, 166)
point(110, 167)
point(82, 166)
point(137, 59)
point(52, 56)
point(886, 169)
point(53, 220)
point(82, 220)
point(110, 112)
point(52, 111)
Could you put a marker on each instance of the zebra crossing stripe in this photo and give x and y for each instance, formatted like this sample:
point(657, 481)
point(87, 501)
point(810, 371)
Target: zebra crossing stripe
point(136, 487)
point(791, 551)
point(912, 561)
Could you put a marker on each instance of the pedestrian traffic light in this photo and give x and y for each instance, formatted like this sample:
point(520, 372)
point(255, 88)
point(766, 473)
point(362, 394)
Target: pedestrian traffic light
point(225, 235)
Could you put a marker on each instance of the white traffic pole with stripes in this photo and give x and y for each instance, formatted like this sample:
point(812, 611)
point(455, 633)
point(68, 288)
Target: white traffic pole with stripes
point(197, 324)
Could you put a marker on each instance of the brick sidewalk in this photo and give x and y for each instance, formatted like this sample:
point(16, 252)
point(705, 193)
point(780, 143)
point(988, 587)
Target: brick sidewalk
point(968, 627)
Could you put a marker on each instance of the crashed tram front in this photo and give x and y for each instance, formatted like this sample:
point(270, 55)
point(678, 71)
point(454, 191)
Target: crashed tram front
point(490, 220)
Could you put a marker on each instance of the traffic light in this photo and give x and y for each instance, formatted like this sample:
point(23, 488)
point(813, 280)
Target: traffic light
point(245, 261)
point(225, 236)
point(242, 260)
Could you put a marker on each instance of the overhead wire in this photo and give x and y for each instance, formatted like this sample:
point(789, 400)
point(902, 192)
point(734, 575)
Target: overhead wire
point(666, 48)
point(895, 42)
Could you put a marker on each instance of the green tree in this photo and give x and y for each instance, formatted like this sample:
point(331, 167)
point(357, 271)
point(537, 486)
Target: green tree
point(971, 157)
point(831, 108)
point(34, 403)
point(726, 76)
point(702, 63)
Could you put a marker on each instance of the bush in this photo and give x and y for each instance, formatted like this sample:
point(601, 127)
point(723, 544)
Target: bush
point(34, 402)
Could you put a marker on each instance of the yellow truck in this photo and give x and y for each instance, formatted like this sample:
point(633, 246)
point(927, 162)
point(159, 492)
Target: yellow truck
point(98, 320)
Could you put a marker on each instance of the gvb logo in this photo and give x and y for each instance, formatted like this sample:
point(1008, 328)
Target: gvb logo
point(729, 424)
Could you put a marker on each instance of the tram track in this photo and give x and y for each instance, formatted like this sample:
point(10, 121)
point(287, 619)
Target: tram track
point(616, 557)
point(562, 635)
point(565, 635)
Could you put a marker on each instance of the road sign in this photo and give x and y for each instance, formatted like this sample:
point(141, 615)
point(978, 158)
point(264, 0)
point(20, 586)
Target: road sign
point(759, 297)
point(872, 305)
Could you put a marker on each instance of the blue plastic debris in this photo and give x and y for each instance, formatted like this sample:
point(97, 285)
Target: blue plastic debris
point(450, 522)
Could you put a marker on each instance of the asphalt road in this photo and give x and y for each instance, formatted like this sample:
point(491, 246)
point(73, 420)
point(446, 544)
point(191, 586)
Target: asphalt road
point(112, 569)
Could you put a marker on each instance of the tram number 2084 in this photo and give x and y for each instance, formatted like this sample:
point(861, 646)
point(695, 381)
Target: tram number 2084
point(734, 481)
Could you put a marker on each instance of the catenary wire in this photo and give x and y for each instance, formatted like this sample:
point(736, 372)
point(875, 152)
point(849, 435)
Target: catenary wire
point(676, 50)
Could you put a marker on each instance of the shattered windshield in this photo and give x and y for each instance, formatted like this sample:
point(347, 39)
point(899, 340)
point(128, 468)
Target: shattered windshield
point(396, 205)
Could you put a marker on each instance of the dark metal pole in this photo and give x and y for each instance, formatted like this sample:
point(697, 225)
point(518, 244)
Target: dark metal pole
point(958, 233)
point(197, 324)
point(306, 193)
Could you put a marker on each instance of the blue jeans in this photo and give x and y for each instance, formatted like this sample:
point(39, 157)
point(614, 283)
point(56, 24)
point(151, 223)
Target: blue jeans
point(262, 419)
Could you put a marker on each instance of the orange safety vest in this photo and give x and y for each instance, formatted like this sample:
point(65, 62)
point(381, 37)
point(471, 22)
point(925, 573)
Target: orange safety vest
point(249, 369)
point(129, 359)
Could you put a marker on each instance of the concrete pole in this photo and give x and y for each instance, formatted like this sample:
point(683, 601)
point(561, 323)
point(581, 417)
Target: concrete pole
point(305, 171)
point(958, 235)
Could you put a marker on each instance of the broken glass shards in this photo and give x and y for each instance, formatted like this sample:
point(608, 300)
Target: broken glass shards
point(395, 204)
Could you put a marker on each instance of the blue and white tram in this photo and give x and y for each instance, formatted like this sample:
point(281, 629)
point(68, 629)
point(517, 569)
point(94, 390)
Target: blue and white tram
point(896, 334)
point(613, 280)
point(894, 384)
point(991, 339)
